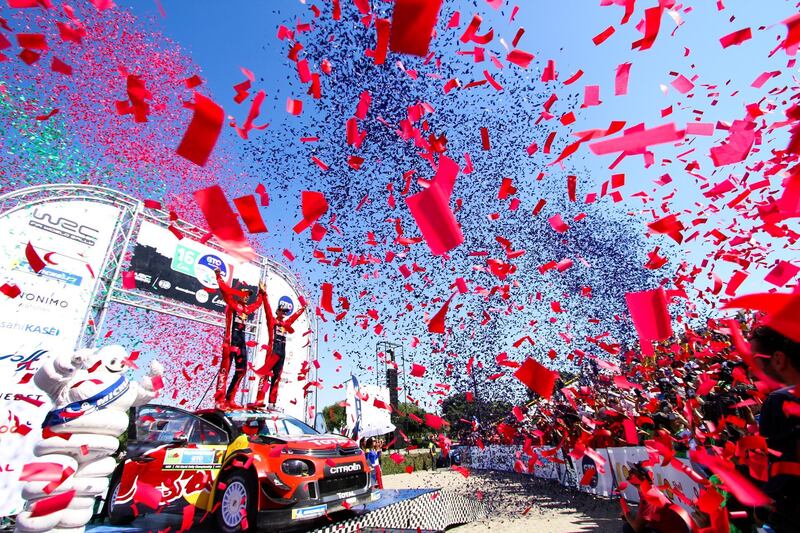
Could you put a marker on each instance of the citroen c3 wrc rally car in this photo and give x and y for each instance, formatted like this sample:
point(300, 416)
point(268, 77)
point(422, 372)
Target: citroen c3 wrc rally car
point(250, 467)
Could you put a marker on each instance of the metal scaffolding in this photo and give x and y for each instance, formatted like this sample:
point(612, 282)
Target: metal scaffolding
point(108, 285)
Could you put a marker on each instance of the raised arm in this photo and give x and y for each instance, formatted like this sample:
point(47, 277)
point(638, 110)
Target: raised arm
point(287, 324)
point(225, 290)
point(270, 317)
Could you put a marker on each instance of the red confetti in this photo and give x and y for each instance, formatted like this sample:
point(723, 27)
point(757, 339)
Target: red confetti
point(248, 210)
point(412, 26)
point(52, 504)
point(537, 377)
point(10, 290)
point(35, 262)
point(735, 38)
point(203, 131)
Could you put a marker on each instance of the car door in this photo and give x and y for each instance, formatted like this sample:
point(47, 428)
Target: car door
point(173, 459)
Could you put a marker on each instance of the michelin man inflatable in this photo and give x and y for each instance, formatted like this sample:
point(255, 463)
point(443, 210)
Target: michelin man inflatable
point(91, 396)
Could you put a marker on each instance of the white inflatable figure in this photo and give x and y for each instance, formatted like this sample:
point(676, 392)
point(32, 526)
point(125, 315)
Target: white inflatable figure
point(91, 396)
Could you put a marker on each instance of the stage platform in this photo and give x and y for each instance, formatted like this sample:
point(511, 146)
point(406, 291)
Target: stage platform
point(397, 511)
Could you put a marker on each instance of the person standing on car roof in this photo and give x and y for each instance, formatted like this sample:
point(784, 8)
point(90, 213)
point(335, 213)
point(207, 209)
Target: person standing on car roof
point(278, 326)
point(234, 346)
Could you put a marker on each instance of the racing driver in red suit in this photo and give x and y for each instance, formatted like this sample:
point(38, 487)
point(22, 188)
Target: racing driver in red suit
point(234, 346)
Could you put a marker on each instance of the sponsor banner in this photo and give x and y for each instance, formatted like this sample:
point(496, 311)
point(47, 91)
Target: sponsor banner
point(346, 468)
point(72, 238)
point(672, 479)
point(602, 483)
point(305, 513)
point(182, 269)
point(550, 469)
point(618, 462)
point(374, 420)
point(503, 458)
point(193, 458)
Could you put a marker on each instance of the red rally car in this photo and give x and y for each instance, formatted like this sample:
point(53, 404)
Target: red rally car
point(250, 467)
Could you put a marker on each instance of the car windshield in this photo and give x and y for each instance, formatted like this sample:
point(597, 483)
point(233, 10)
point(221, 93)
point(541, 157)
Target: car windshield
point(283, 427)
point(272, 424)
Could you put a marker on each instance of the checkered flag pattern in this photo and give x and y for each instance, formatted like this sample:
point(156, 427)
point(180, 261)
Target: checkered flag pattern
point(434, 511)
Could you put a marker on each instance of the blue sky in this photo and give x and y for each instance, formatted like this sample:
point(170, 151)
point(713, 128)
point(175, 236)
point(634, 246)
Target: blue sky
point(223, 36)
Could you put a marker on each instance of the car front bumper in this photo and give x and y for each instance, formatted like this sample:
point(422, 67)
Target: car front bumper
point(305, 510)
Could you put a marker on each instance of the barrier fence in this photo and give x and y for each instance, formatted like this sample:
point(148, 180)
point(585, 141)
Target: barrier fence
point(611, 470)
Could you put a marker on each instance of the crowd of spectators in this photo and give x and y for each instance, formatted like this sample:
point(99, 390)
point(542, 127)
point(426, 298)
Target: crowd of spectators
point(704, 393)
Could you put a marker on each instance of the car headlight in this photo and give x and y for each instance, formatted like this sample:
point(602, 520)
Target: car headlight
point(296, 467)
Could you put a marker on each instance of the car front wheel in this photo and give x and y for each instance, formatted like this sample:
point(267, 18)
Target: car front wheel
point(118, 515)
point(237, 503)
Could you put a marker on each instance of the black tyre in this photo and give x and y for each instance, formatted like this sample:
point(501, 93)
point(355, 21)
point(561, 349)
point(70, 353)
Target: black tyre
point(118, 515)
point(237, 505)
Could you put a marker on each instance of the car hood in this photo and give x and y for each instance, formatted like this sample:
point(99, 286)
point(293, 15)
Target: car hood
point(312, 442)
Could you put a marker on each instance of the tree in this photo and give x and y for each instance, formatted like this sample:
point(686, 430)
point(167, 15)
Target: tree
point(335, 416)
point(409, 425)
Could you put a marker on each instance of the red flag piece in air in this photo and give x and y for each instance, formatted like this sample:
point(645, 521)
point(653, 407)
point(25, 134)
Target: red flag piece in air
point(603, 35)
point(782, 273)
point(557, 223)
point(52, 504)
point(782, 310)
point(736, 38)
point(537, 377)
point(412, 26)
point(36, 262)
point(436, 324)
point(222, 221)
point(32, 41)
point(147, 495)
point(734, 482)
point(417, 371)
point(248, 210)
point(485, 144)
point(56, 65)
point(637, 141)
point(431, 210)
point(621, 79)
point(652, 23)
point(434, 422)
point(252, 115)
point(129, 280)
point(588, 475)
point(41, 472)
point(471, 33)
point(263, 195)
point(313, 205)
point(520, 58)
point(203, 130)
point(293, 106)
point(650, 314)
point(382, 27)
point(10, 290)
point(326, 300)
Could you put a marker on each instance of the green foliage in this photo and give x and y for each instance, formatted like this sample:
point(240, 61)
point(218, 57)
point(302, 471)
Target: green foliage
point(414, 429)
point(335, 416)
point(419, 461)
